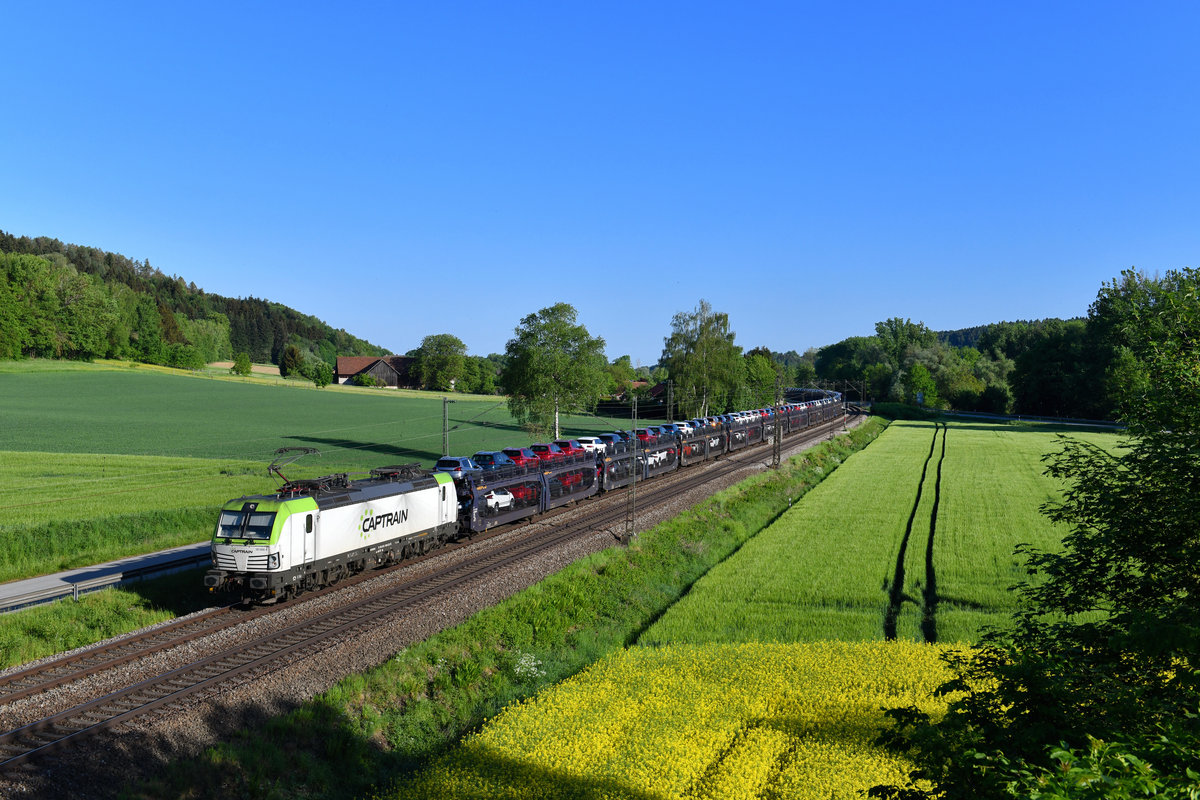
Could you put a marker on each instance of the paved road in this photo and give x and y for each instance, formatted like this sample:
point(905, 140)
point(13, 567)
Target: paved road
point(19, 594)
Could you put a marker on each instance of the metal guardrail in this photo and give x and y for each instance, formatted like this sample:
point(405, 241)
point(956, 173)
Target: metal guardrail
point(74, 589)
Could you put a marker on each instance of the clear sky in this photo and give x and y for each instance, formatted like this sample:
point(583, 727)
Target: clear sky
point(401, 169)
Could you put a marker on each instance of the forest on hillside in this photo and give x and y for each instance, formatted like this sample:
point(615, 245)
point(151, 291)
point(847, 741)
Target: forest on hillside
point(70, 301)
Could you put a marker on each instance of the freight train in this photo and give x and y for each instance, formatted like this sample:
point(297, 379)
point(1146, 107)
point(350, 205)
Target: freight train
point(312, 533)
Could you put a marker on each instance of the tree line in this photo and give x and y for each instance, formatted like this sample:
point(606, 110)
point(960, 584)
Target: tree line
point(1050, 367)
point(68, 301)
point(553, 365)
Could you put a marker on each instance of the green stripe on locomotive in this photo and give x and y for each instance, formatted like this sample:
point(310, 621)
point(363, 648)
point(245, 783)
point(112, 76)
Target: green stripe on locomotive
point(258, 520)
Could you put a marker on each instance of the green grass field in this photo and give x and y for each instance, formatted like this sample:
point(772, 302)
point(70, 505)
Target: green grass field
point(87, 408)
point(825, 569)
point(101, 461)
point(824, 566)
point(67, 510)
point(992, 491)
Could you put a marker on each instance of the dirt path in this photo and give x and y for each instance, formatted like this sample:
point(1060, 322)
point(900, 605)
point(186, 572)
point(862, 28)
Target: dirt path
point(260, 369)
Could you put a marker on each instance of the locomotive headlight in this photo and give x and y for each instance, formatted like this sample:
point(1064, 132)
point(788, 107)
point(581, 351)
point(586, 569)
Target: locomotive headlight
point(273, 561)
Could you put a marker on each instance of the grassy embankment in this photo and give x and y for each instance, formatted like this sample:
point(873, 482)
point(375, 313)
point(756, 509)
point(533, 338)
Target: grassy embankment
point(737, 690)
point(44, 630)
point(393, 718)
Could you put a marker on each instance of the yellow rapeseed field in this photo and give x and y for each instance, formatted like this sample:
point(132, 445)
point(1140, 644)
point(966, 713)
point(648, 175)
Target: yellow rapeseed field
point(700, 721)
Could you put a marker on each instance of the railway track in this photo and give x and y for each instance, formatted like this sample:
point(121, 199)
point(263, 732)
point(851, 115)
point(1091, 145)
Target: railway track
point(186, 685)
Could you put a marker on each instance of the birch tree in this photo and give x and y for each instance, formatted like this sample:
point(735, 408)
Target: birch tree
point(702, 360)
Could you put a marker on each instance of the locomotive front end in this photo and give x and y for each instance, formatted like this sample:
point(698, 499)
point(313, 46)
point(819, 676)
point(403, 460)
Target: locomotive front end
point(251, 546)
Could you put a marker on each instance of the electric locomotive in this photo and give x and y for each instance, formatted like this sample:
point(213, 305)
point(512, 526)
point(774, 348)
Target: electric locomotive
point(312, 533)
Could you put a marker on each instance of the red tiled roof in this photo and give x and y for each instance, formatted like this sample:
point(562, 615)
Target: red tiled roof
point(352, 365)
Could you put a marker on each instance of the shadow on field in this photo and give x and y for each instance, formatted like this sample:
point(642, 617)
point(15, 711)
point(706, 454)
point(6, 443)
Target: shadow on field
point(492, 425)
point(325, 756)
point(393, 454)
point(929, 617)
point(1029, 427)
point(896, 593)
point(961, 604)
point(180, 593)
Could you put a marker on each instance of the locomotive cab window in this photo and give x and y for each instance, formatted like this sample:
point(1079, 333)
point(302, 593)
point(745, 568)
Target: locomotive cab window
point(308, 523)
point(246, 524)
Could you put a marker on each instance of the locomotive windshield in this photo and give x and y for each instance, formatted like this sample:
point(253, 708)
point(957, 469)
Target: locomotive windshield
point(246, 524)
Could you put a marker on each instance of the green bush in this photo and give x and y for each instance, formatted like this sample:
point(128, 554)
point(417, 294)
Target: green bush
point(241, 365)
point(322, 375)
point(366, 379)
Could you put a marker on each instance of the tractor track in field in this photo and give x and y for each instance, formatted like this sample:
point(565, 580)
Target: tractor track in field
point(929, 593)
point(896, 593)
point(75, 699)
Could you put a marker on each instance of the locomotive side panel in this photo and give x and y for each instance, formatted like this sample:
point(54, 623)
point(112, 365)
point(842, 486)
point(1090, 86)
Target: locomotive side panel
point(355, 526)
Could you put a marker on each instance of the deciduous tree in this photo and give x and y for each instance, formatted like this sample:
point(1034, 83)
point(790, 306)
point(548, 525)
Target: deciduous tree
point(898, 335)
point(322, 375)
point(621, 375)
point(702, 359)
point(441, 362)
point(553, 365)
point(762, 376)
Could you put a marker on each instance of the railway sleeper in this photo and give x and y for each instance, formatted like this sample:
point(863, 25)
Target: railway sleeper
point(76, 724)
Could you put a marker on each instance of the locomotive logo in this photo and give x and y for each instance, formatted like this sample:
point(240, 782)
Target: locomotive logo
point(370, 521)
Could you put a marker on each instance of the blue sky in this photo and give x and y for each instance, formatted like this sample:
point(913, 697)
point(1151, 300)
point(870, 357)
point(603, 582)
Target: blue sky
point(403, 169)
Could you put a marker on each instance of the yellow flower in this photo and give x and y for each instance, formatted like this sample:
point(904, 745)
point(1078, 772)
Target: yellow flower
point(700, 721)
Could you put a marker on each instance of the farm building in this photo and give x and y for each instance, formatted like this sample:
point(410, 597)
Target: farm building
point(394, 371)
